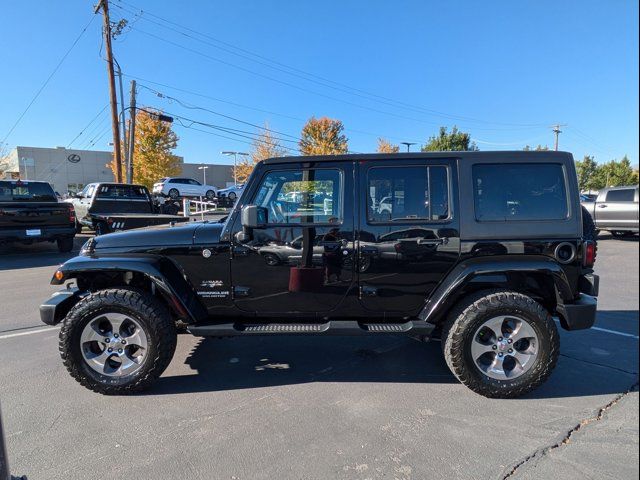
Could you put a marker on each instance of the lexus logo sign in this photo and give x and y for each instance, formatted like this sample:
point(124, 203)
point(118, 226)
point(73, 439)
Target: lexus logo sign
point(74, 158)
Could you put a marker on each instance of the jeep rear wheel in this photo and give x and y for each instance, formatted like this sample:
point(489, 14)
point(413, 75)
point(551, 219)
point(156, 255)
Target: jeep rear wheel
point(117, 341)
point(500, 344)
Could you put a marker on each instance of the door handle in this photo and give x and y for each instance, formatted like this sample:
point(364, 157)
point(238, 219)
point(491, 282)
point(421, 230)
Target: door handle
point(433, 241)
point(602, 206)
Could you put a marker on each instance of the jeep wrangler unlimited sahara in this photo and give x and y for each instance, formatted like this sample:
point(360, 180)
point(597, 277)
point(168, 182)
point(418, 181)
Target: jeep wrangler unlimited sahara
point(480, 249)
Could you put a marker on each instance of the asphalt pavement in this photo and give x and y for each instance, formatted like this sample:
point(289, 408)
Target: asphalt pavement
point(319, 408)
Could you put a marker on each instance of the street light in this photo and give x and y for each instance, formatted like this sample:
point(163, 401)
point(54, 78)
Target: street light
point(204, 174)
point(408, 144)
point(235, 163)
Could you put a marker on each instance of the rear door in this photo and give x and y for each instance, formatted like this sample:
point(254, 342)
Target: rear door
point(408, 232)
point(301, 262)
point(619, 209)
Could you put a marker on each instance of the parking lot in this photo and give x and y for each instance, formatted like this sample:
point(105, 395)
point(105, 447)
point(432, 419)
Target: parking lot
point(319, 408)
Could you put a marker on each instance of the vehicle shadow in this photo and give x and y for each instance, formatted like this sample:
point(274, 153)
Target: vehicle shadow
point(257, 362)
point(626, 238)
point(44, 254)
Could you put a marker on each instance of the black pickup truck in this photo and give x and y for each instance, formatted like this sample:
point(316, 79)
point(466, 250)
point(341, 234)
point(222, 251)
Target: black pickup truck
point(30, 212)
point(110, 207)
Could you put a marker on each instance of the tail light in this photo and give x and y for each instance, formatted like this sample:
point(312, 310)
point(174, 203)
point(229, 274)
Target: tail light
point(590, 252)
point(72, 214)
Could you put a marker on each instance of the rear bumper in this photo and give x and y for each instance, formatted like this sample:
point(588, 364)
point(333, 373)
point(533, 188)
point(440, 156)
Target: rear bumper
point(56, 308)
point(46, 233)
point(578, 315)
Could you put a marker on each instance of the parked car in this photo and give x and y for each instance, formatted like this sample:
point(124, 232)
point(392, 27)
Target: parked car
point(176, 187)
point(615, 209)
point(110, 207)
point(232, 193)
point(490, 244)
point(30, 212)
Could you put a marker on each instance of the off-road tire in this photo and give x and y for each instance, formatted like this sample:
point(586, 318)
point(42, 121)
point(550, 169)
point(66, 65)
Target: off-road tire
point(156, 321)
point(65, 245)
point(589, 231)
point(464, 320)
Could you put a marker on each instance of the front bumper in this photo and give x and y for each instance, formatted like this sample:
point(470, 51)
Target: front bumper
point(579, 315)
point(56, 308)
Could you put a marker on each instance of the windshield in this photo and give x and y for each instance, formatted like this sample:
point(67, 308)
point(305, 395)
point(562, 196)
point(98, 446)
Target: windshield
point(26, 192)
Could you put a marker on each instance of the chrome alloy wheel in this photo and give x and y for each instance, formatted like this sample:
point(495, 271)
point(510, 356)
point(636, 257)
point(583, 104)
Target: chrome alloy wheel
point(114, 344)
point(504, 347)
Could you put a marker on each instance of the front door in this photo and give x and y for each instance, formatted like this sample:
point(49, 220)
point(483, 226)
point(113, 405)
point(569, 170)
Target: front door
point(409, 234)
point(302, 260)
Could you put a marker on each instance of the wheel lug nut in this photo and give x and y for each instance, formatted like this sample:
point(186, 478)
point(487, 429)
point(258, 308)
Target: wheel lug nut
point(107, 340)
point(115, 335)
point(124, 341)
point(511, 350)
point(510, 341)
point(109, 350)
point(500, 339)
point(500, 354)
point(119, 350)
point(495, 347)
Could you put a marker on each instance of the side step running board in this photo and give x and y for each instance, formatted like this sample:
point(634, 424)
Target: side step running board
point(333, 327)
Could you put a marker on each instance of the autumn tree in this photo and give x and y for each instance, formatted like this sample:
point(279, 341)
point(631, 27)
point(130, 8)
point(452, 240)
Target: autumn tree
point(456, 141)
point(266, 145)
point(385, 146)
point(323, 136)
point(152, 152)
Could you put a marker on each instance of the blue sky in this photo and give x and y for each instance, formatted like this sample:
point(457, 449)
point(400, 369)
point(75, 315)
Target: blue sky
point(502, 70)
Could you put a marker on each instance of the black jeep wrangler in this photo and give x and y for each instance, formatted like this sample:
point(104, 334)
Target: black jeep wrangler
point(481, 249)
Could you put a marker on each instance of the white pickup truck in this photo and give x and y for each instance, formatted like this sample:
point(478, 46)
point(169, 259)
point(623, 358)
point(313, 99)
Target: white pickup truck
point(616, 210)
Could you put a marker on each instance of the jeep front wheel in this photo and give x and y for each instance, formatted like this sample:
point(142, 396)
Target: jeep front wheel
point(500, 344)
point(117, 341)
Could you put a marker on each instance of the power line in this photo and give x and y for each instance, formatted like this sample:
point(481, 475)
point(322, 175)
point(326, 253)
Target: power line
point(88, 125)
point(248, 107)
point(46, 82)
point(296, 72)
point(303, 89)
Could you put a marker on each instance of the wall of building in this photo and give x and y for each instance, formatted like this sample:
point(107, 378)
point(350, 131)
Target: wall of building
point(69, 169)
point(219, 176)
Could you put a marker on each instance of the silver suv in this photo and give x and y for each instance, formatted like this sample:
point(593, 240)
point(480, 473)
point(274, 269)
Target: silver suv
point(176, 187)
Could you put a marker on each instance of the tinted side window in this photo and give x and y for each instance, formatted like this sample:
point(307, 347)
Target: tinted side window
point(312, 196)
point(626, 195)
point(408, 194)
point(504, 192)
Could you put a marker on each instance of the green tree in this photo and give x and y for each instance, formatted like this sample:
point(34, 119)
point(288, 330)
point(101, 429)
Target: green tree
point(539, 148)
point(323, 136)
point(617, 173)
point(587, 170)
point(456, 141)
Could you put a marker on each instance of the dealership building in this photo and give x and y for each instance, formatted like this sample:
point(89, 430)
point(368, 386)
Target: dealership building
point(69, 170)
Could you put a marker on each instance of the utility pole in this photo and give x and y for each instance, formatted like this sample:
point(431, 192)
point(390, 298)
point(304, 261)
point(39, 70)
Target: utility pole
point(557, 131)
point(132, 131)
point(115, 127)
point(125, 147)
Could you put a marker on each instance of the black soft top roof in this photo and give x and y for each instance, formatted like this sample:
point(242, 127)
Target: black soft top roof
point(502, 156)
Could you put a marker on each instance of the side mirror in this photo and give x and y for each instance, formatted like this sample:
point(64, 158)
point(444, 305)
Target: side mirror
point(254, 216)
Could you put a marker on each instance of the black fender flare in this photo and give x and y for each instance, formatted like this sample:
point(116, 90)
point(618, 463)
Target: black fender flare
point(447, 293)
point(162, 273)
